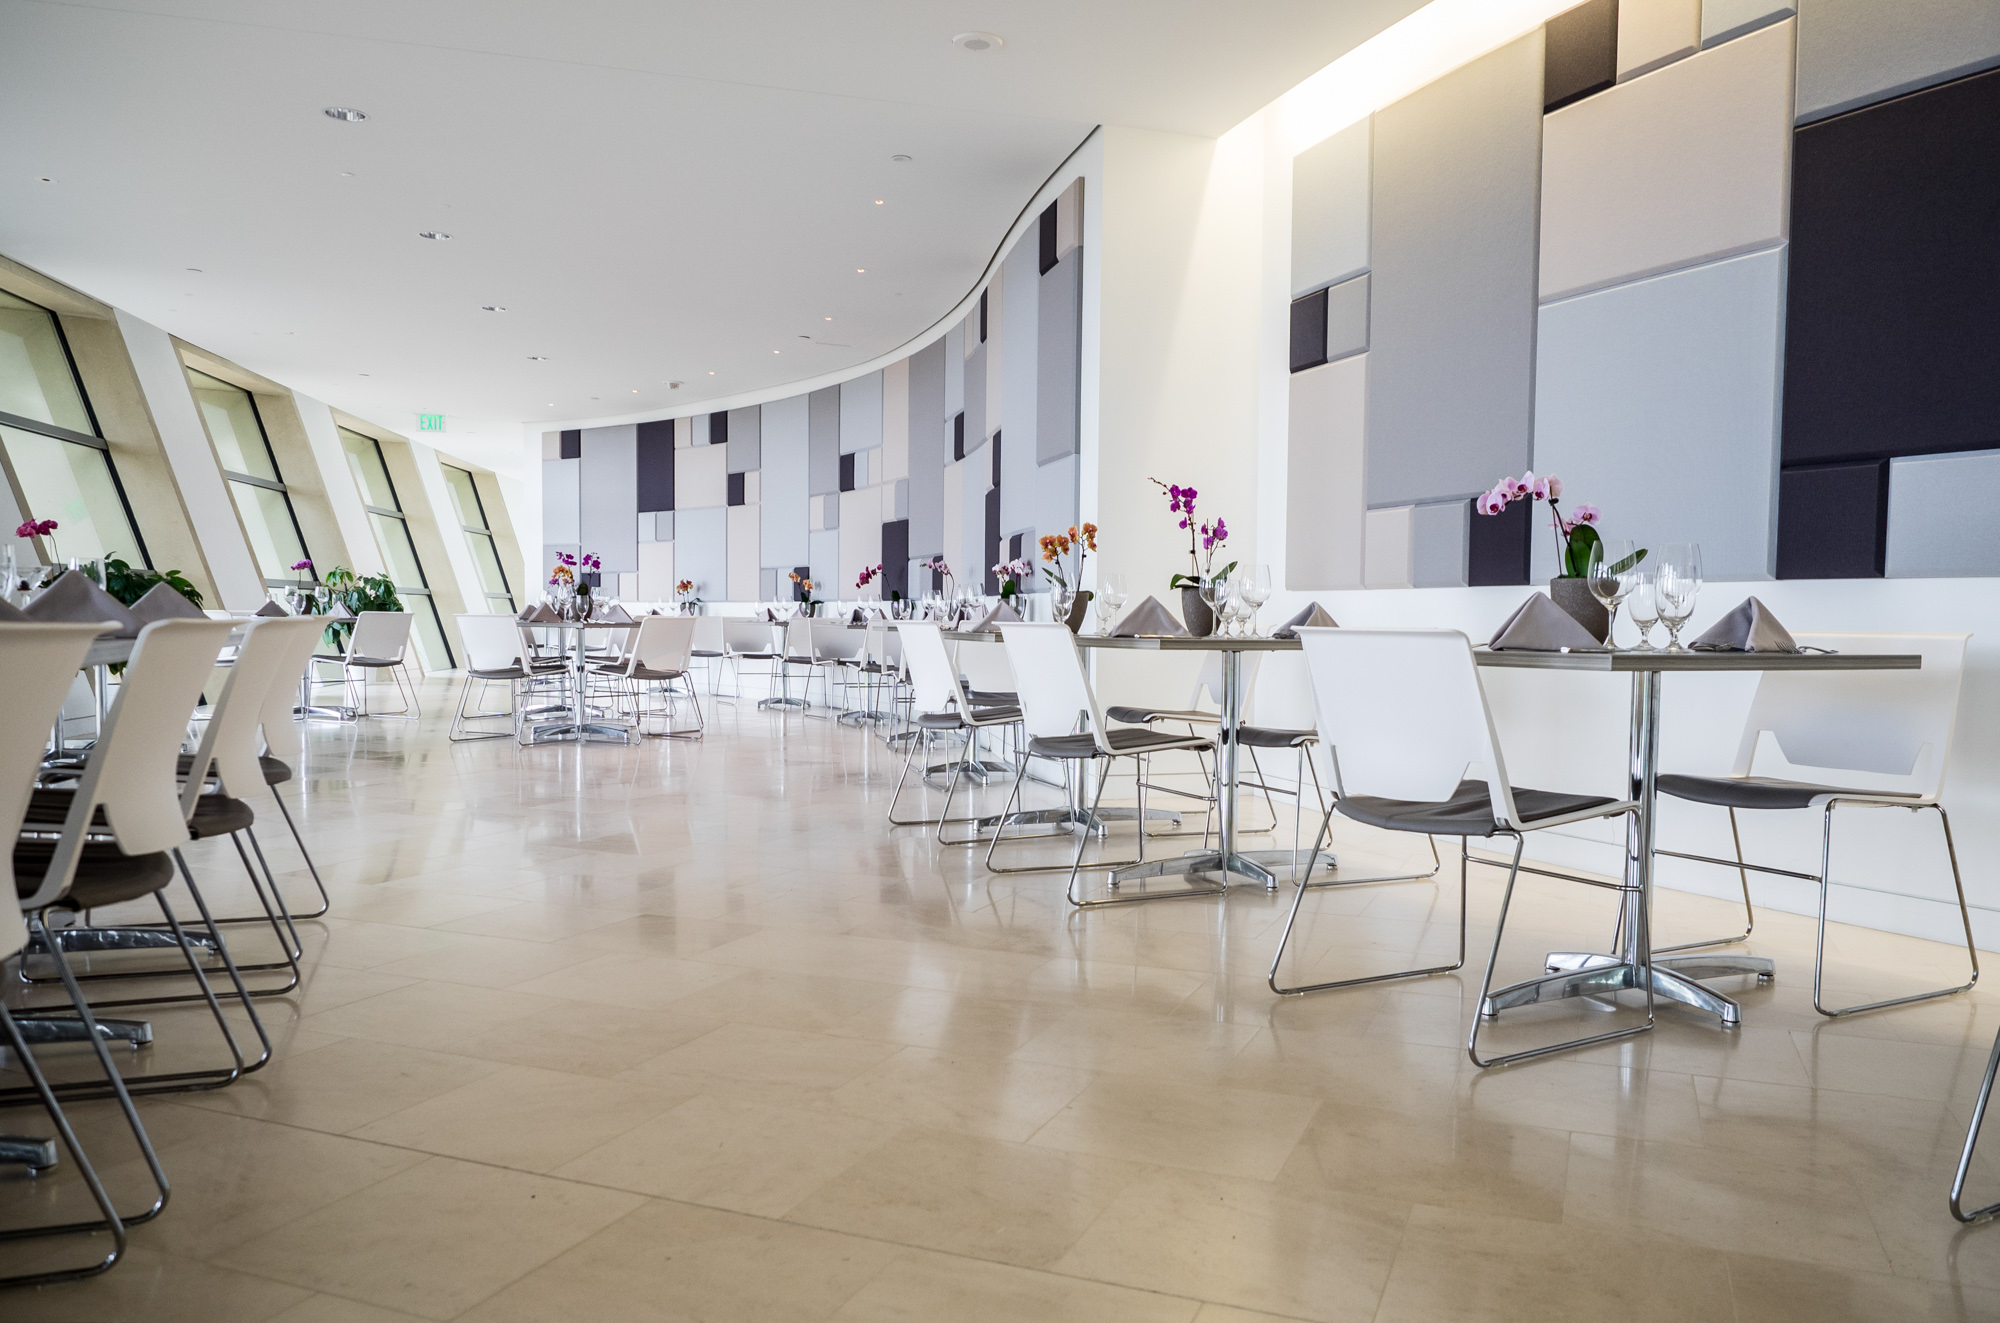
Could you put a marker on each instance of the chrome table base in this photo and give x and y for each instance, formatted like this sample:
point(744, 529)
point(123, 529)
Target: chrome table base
point(21, 1150)
point(1592, 974)
point(1255, 865)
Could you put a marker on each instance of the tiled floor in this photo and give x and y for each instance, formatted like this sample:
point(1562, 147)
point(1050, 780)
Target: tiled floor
point(684, 1032)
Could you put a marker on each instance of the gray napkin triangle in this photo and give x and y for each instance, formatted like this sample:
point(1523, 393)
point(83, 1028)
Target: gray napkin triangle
point(617, 614)
point(1542, 626)
point(1313, 617)
point(340, 612)
point(271, 609)
point(1149, 620)
point(859, 617)
point(163, 602)
point(540, 614)
point(1001, 614)
point(527, 613)
point(11, 614)
point(1749, 628)
point(73, 597)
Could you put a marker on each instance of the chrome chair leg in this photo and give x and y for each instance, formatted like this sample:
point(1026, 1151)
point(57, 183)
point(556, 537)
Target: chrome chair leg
point(1825, 889)
point(1971, 1140)
point(1304, 883)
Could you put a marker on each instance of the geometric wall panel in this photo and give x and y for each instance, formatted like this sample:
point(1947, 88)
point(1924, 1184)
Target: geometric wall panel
point(1452, 248)
point(1437, 544)
point(1019, 385)
point(1894, 323)
point(928, 452)
point(1833, 520)
point(1325, 508)
point(1058, 341)
point(1309, 331)
point(605, 496)
point(861, 413)
point(783, 500)
point(1941, 516)
point(1347, 318)
point(1497, 546)
point(701, 550)
point(1726, 20)
point(823, 453)
point(561, 479)
point(1685, 165)
point(1582, 53)
point(745, 434)
point(743, 552)
point(701, 477)
point(1330, 210)
point(1648, 389)
point(1852, 52)
point(1652, 33)
point(1386, 553)
point(655, 462)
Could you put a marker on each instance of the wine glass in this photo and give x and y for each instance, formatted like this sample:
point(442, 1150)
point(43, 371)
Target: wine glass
point(1643, 608)
point(1256, 591)
point(1610, 577)
point(1677, 582)
point(1215, 588)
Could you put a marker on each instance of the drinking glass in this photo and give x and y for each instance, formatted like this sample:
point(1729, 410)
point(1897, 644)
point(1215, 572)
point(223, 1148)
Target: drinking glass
point(1643, 607)
point(1610, 578)
point(1215, 588)
point(1256, 591)
point(1677, 582)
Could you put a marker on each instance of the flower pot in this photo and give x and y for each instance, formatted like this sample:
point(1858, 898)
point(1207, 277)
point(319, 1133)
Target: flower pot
point(1574, 596)
point(1196, 614)
point(1078, 609)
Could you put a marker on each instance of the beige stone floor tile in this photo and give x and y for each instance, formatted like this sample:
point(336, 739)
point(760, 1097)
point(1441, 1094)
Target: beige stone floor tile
point(961, 1025)
point(1003, 1098)
point(1106, 984)
point(324, 987)
point(434, 1239)
point(731, 1153)
point(1305, 1254)
point(585, 1038)
point(522, 1117)
point(1213, 1313)
point(971, 1196)
point(656, 935)
point(779, 1057)
point(1451, 1161)
point(919, 1287)
point(352, 943)
point(334, 1309)
point(1777, 1291)
point(530, 922)
point(811, 1002)
point(669, 1262)
point(429, 1015)
point(1196, 1126)
point(1483, 1268)
point(1927, 1071)
point(1129, 1042)
point(637, 982)
point(344, 1085)
point(147, 1285)
point(1859, 1132)
point(485, 962)
point(1410, 1078)
point(1725, 1199)
point(1560, 1094)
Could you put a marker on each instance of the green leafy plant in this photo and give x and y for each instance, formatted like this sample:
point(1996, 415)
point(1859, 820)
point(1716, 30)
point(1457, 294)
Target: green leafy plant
point(358, 593)
point(129, 583)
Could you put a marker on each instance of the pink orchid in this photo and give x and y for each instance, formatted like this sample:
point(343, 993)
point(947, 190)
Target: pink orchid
point(1490, 503)
point(1555, 487)
point(1586, 514)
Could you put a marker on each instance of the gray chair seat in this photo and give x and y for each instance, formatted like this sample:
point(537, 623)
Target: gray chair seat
point(276, 771)
point(343, 659)
point(1469, 811)
point(1125, 739)
point(708, 652)
point(989, 716)
point(637, 673)
point(103, 875)
point(1273, 737)
point(513, 672)
point(1140, 716)
point(214, 815)
point(1757, 792)
point(993, 698)
point(754, 656)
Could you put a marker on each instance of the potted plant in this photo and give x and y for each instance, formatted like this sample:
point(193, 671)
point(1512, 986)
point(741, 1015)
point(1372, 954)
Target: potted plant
point(128, 584)
point(1203, 540)
point(803, 594)
point(1071, 598)
point(358, 593)
point(684, 595)
point(1010, 573)
point(1576, 537)
point(868, 575)
point(937, 566)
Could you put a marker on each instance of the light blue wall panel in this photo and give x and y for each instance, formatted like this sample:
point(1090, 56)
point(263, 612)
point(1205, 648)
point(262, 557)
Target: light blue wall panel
point(927, 450)
point(1438, 536)
point(823, 452)
point(1052, 502)
point(1058, 338)
point(561, 484)
point(1853, 52)
point(1453, 249)
point(861, 413)
point(783, 483)
point(1021, 283)
point(1941, 522)
point(1330, 210)
point(954, 370)
point(1657, 402)
point(975, 399)
point(823, 554)
point(701, 550)
point(1725, 20)
point(1347, 319)
point(746, 440)
point(607, 496)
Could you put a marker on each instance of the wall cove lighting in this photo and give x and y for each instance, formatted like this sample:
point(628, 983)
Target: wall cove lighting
point(346, 114)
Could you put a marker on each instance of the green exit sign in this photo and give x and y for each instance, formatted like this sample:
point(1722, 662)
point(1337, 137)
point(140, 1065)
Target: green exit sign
point(430, 422)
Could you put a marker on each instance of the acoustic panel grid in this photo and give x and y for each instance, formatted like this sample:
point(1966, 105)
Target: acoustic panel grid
point(1726, 266)
point(967, 449)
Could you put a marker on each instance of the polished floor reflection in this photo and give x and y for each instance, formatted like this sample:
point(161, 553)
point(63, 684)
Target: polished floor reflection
point(682, 1031)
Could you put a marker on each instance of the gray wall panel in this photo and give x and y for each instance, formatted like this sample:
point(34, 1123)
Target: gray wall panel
point(1058, 339)
point(561, 482)
point(1437, 544)
point(823, 554)
point(927, 450)
point(701, 550)
point(607, 496)
point(1325, 512)
point(1853, 52)
point(746, 440)
point(1021, 281)
point(1726, 20)
point(975, 399)
point(954, 369)
point(823, 454)
point(1658, 403)
point(861, 413)
point(1347, 318)
point(1330, 210)
point(1453, 248)
point(783, 483)
point(1941, 516)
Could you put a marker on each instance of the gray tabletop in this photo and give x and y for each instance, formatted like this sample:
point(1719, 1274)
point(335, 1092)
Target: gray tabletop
point(1627, 660)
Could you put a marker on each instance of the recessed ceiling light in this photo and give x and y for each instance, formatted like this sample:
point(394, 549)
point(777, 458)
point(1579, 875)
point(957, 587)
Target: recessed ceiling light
point(493, 307)
point(432, 234)
point(805, 337)
point(673, 385)
point(860, 270)
point(829, 319)
point(538, 358)
point(361, 374)
point(878, 202)
point(975, 41)
point(900, 157)
point(347, 114)
point(47, 180)
point(635, 392)
point(347, 174)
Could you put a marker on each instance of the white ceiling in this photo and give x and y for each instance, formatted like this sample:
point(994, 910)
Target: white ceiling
point(655, 191)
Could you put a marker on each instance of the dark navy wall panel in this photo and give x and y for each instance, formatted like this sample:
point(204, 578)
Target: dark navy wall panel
point(1833, 521)
point(1582, 53)
point(1309, 331)
point(656, 465)
point(1497, 546)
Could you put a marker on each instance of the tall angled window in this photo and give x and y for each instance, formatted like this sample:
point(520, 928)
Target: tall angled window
point(399, 552)
point(479, 536)
point(55, 463)
point(262, 501)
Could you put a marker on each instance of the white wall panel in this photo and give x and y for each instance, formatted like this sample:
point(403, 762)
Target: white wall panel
point(1326, 504)
point(743, 553)
point(1941, 516)
point(1330, 210)
point(1658, 403)
point(825, 562)
point(1652, 33)
point(860, 536)
point(1020, 337)
point(656, 572)
point(1726, 20)
point(1853, 52)
point(562, 523)
point(701, 477)
point(1685, 165)
point(609, 478)
point(1386, 560)
point(701, 549)
point(783, 483)
point(861, 413)
point(896, 420)
point(954, 517)
point(1438, 544)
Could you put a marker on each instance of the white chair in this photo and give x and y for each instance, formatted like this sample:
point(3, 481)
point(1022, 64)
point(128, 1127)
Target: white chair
point(748, 640)
point(492, 656)
point(660, 654)
point(40, 661)
point(1836, 727)
point(379, 642)
point(708, 648)
point(942, 710)
point(284, 750)
point(1406, 721)
point(1064, 723)
point(795, 649)
point(838, 654)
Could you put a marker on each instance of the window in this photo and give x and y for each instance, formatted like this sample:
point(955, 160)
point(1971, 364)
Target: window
point(479, 534)
point(399, 552)
point(262, 501)
point(57, 465)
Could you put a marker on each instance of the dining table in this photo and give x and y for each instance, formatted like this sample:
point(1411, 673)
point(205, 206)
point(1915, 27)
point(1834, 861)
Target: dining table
point(580, 724)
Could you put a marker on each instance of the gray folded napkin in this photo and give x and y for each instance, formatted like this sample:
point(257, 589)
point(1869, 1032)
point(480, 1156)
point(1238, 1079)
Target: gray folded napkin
point(1001, 614)
point(163, 602)
point(11, 614)
point(539, 614)
point(340, 612)
point(73, 597)
point(527, 613)
point(1749, 628)
point(1149, 620)
point(1314, 617)
point(271, 609)
point(859, 617)
point(617, 614)
point(1542, 626)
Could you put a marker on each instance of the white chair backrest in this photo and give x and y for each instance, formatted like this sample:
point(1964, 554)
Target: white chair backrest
point(799, 637)
point(280, 724)
point(1210, 680)
point(983, 666)
point(933, 679)
point(1403, 715)
point(132, 771)
point(39, 662)
point(492, 642)
point(1048, 675)
point(707, 633)
point(835, 640)
point(1887, 723)
point(663, 643)
point(380, 634)
point(230, 738)
point(739, 635)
